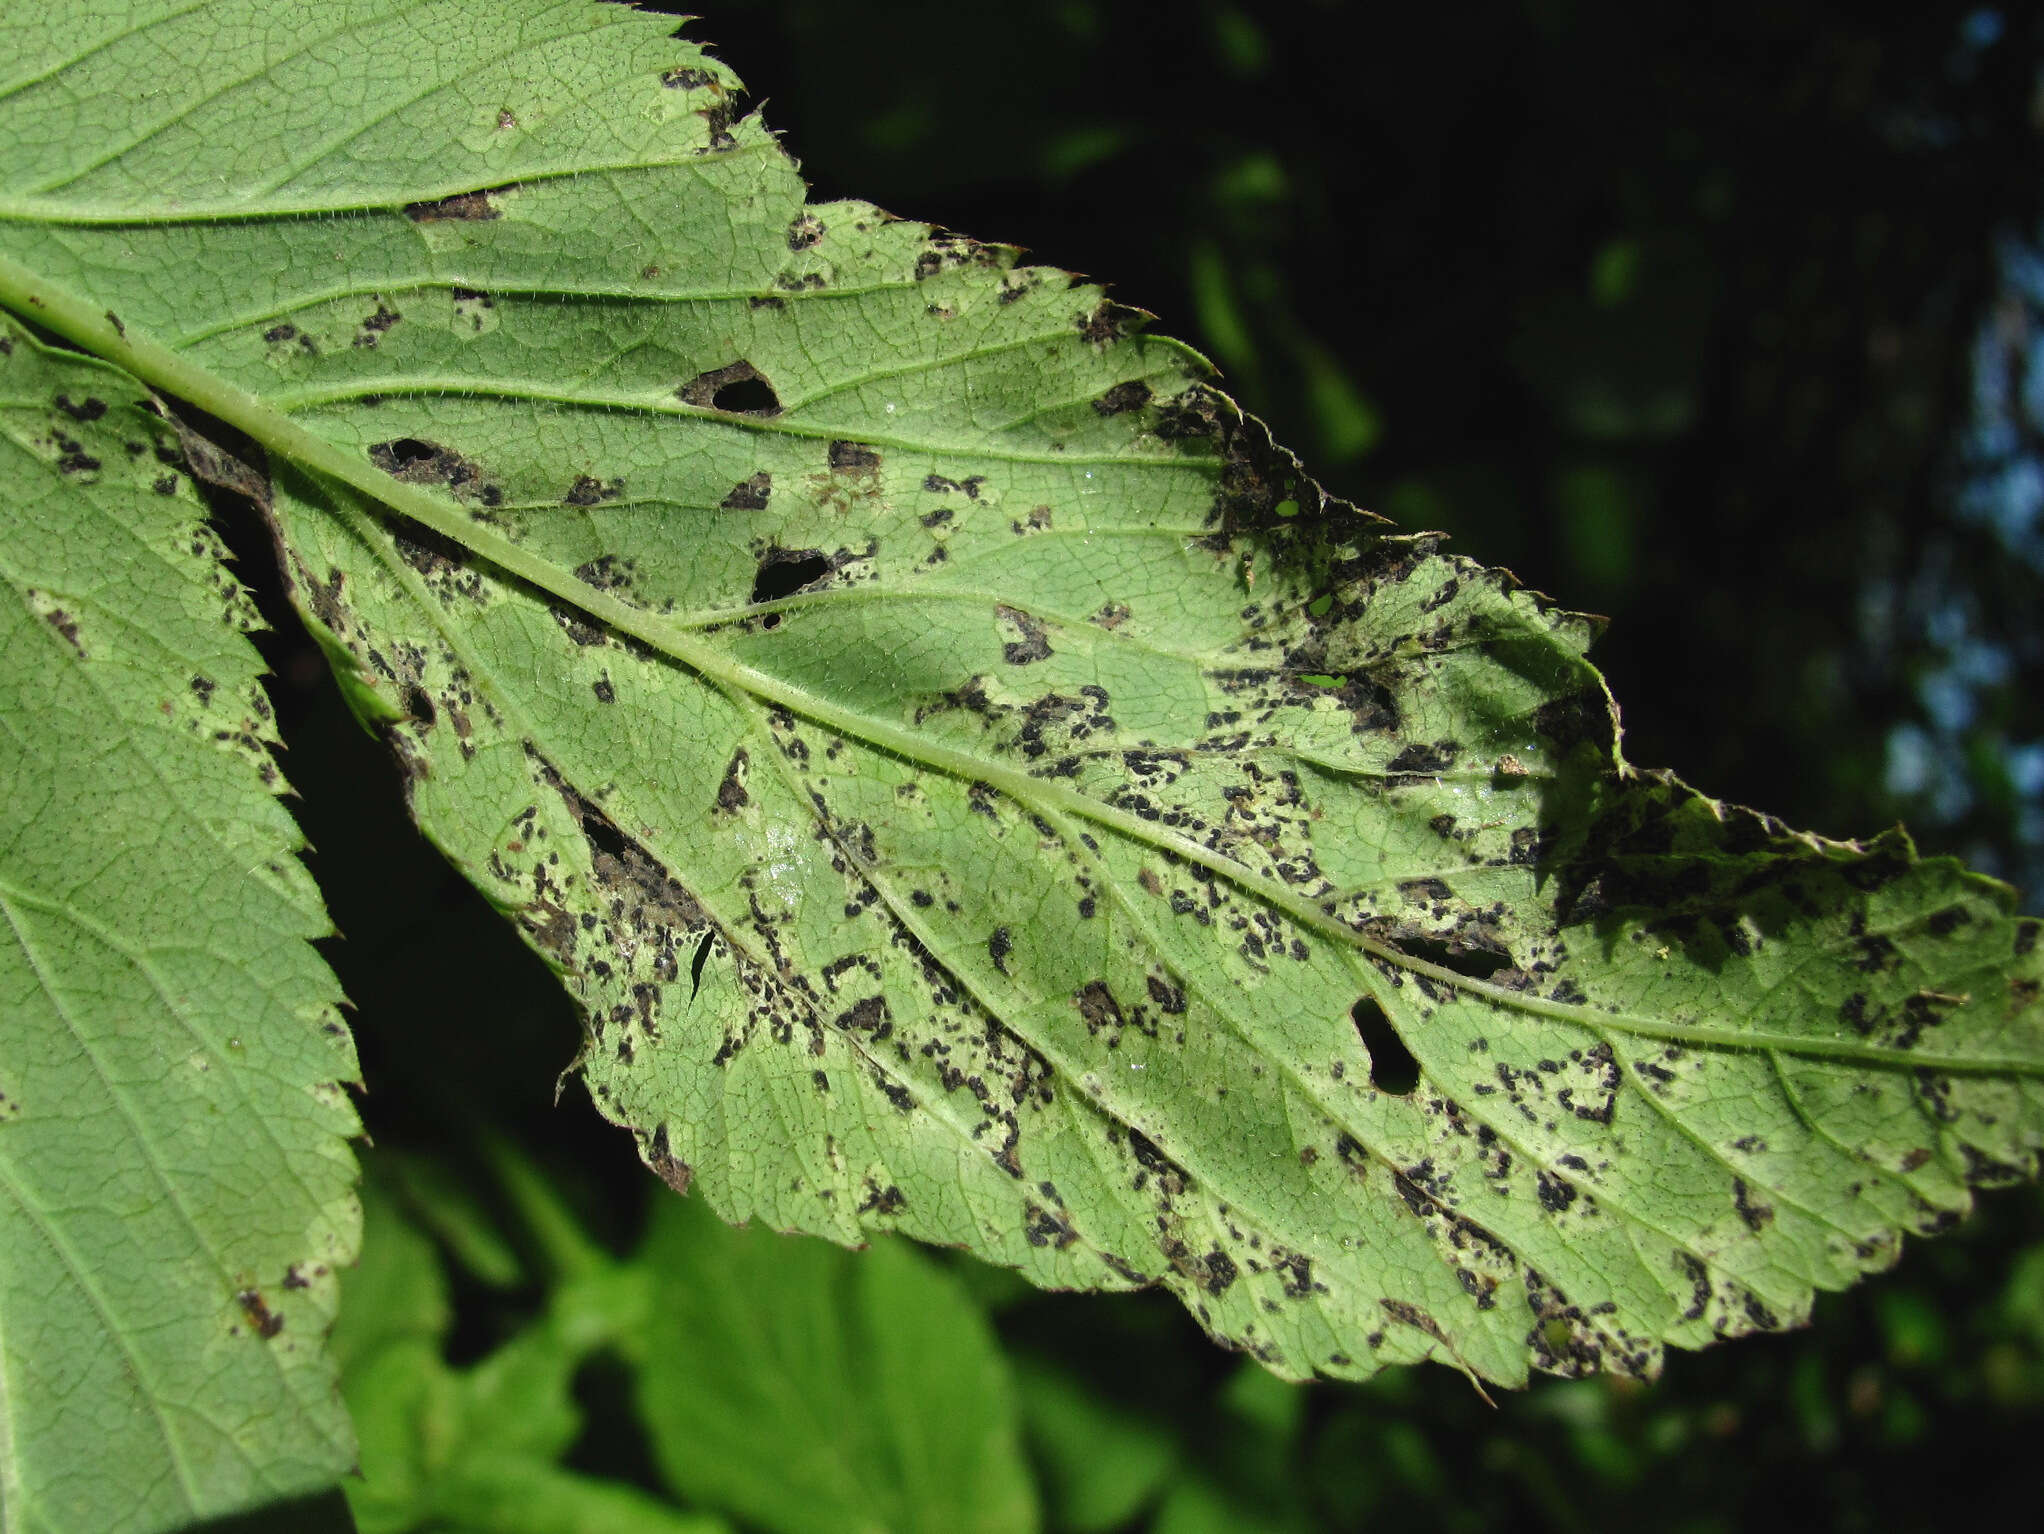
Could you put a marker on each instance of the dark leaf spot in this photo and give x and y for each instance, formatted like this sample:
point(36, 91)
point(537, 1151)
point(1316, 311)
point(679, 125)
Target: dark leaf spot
point(265, 1322)
point(750, 494)
point(853, 458)
point(1123, 397)
point(671, 1169)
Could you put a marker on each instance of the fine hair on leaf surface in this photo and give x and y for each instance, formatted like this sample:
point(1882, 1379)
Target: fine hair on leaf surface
point(972, 781)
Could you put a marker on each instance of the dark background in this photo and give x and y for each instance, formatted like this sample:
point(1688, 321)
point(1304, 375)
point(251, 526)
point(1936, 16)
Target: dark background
point(1720, 327)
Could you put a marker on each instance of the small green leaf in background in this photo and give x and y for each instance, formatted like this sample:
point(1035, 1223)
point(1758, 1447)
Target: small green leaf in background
point(809, 1390)
point(478, 1449)
point(174, 1172)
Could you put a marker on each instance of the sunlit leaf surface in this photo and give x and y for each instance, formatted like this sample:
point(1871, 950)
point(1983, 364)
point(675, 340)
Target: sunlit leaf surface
point(975, 784)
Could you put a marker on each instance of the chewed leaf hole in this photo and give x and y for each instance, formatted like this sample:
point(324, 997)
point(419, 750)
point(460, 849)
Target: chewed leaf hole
point(406, 452)
point(604, 836)
point(782, 573)
point(1392, 1067)
point(1463, 959)
point(747, 394)
point(740, 389)
point(695, 968)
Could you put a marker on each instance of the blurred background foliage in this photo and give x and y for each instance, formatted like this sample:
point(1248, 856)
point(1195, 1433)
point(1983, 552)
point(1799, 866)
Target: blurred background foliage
point(1728, 325)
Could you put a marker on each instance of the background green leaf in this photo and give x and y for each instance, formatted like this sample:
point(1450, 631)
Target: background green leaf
point(803, 1388)
point(174, 1179)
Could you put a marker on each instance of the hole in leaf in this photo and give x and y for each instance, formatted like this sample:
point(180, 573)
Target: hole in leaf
point(1475, 963)
point(604, 836)
point(1392, 1067)
point(739, 389)
point(695, 968)
point(396, 457)
point(747, 394)
point(782, 573)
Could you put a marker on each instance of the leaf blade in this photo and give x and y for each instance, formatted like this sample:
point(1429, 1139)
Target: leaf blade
point(1031, 854)
point(172, 1140)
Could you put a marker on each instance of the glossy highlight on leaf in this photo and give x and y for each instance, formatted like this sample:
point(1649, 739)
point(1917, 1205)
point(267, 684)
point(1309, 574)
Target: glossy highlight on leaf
point(975, 784)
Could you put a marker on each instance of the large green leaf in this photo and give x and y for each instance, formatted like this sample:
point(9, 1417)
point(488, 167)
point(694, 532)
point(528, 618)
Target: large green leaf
point(810, 1392)
point(974, 783)
point(174, 1177)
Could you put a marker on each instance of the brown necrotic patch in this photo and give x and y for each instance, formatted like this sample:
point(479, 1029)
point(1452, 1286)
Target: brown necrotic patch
point(853, 458)
point(468, 207)
point(731, 791)
point(1123, 397)
point(419, 462)
point(1032, 643)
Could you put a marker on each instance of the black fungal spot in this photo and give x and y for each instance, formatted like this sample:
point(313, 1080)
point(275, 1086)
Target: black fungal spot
point(75, 459)
point(605, 693)
point(588, 491)
point(67, 626)
point(1755, 1215)
point(81, 410)
point(1392, 1067)
point(1944, 923)
point(879, 1200)
point(1425, 761)
point(1034, 645)
point(1109, 322)
point(739, 389)
point(687, 79)
point(998, 948)
point(1123, 397)
point(1584, 715)
point(1218, 1272)
point(750, 494)
point(805, 231)
point(1097, 1006)
point(853, 458)
point(374, 325)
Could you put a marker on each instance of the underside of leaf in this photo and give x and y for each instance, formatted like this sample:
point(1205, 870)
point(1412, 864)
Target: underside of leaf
point(174, 1175)
point(976, 785)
